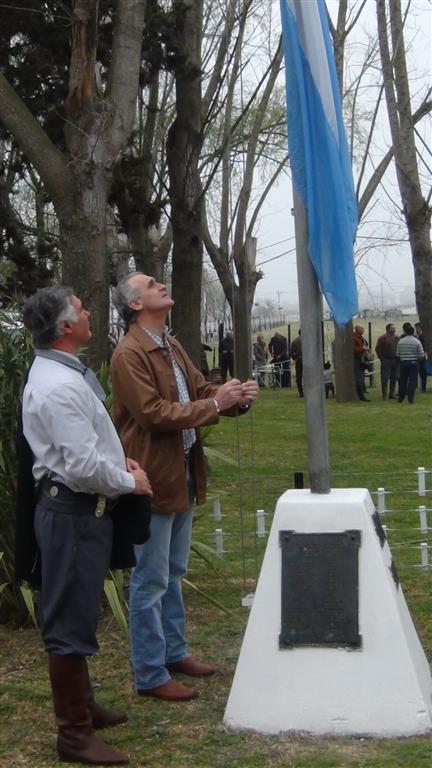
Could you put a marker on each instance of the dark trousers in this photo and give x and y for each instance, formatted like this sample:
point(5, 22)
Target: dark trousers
point(422, 372)
point(299, 376)
point(407, 380)
point(389, 370)
point(282, 367)
point(329, 389)
point(359, 370)
point(227, 365)
point(75, 548)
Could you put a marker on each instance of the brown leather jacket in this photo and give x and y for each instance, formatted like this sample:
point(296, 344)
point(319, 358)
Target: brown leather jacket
point(150, 419)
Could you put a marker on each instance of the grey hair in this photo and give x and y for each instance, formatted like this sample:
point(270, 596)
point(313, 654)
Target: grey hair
point(45, 311)
point(122, 295)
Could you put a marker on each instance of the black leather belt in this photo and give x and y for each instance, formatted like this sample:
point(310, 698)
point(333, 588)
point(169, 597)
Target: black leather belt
point(73, 501)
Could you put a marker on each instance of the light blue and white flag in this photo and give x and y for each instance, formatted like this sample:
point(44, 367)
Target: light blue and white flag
point(319, 156)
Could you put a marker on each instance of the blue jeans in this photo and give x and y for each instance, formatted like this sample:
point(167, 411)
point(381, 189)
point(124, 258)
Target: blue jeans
point(157, 615)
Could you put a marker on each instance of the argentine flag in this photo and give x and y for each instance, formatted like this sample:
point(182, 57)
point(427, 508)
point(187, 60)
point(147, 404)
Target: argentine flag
point(319, 156)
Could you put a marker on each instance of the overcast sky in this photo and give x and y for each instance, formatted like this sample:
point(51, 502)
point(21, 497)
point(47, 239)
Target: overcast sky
point(386, 273)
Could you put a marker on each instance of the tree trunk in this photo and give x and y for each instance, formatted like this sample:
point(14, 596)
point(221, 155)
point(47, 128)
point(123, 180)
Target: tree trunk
point(240, 300)
point(183, 152)
point(416, 209)
point(150, 248)
point(344, 363)
point(83, 231)
point(343, 346)
point(241, 313)
point(186, 285)
point(419, 226)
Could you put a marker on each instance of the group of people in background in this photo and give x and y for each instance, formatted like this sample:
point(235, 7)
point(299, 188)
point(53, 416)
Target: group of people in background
point(275, 354)
point(402, 361)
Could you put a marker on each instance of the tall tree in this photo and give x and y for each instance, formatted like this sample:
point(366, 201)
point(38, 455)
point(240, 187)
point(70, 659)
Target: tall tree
point(141, 180)
point(416, 208)
point(343, 343)
point(183, 153)
point(247, 130)
point(78, 175)
point(349, 14)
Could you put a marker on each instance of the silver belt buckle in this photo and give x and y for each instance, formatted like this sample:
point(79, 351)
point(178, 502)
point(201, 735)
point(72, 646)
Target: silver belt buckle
point(100, 506)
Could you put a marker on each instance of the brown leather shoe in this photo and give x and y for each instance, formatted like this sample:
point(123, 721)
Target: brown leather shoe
point(191, 667)
point(172, 690)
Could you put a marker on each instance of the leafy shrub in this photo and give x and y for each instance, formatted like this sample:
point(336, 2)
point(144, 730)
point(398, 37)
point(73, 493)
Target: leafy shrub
point(15, 356)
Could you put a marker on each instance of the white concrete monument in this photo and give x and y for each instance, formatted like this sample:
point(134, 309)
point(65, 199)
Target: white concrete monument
point(381, 687)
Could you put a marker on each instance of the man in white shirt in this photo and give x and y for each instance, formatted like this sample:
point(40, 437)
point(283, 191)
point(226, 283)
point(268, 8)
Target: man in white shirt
point(78, 458)
point(409, 351)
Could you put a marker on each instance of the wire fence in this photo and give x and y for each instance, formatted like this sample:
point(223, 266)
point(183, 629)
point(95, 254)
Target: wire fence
point(403, 504)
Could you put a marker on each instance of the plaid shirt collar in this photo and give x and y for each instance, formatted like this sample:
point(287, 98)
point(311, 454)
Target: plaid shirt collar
point(161, 341)
point(189, 436)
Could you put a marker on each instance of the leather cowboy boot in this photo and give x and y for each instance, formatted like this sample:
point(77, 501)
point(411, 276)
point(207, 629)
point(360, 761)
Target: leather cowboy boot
point(102, 717)
point(76, 742)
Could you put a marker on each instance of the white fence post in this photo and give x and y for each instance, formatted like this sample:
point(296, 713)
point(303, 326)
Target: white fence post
point(219, 541)
point(423, 520)
point(260, 518)
point(424, 556)
point(381, 501)
point(421, 472)
point(217, 509)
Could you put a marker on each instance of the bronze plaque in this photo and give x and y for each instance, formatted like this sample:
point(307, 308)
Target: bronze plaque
point(320, 589)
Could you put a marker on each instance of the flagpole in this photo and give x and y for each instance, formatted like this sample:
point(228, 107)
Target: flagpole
point(310, 302)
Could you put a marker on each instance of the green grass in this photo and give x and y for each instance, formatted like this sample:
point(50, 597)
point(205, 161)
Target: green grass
point(371, 445)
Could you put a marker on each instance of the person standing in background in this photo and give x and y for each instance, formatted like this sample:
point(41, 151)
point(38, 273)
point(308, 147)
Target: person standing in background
point(361, 353)
point(422, 363)
point(386, 351)
point(278, 348)
point(227, 355)
point(409, 351)
point(297, 356)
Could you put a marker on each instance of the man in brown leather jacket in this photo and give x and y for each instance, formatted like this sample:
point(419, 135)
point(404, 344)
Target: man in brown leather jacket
point(160, 400)
point(386, 350)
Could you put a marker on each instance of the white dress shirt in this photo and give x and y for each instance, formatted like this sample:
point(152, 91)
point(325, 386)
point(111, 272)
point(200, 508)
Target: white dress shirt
point(70, 432)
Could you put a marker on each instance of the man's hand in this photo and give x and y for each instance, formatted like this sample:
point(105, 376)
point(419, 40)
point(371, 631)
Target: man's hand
point(142, 483)
point(249, 392)
point(229, 394)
